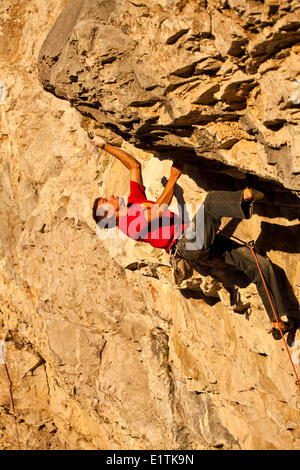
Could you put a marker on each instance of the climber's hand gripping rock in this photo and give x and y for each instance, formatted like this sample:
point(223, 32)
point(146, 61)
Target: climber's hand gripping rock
point(96, 140)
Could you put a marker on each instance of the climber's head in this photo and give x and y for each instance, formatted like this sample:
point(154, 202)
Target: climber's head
point(106, 210)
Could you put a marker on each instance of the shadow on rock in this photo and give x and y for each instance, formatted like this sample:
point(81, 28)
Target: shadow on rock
point(278, 237)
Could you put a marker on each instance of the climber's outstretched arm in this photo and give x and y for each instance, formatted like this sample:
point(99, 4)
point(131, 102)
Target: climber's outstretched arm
point(166, 196)
point(130, 162)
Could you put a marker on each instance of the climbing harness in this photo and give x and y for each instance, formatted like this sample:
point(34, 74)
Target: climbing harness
point(3, 362)
point(250, 245)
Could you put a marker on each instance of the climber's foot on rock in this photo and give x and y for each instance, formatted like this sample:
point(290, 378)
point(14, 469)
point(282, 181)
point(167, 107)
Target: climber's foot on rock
point(251, 194)
point(284, 326)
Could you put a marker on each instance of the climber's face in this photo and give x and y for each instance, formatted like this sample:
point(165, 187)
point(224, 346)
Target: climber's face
point(110, 205)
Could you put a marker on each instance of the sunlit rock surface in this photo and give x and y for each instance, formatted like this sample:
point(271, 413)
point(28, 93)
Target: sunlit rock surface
point(128, 360)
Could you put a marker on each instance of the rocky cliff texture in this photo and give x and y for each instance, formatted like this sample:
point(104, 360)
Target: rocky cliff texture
point(127, 360)
point(209, 80)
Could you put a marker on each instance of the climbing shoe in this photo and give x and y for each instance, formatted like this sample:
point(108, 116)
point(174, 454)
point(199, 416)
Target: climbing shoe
point(285, 328)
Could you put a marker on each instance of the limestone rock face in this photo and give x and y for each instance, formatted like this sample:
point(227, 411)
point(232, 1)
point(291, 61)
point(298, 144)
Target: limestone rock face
point(214, 80)
point(103, 350)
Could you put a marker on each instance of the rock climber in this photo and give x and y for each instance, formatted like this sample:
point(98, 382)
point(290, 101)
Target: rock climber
point(197, 241)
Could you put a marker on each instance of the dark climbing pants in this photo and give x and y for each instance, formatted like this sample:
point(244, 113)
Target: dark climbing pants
point(205, 226)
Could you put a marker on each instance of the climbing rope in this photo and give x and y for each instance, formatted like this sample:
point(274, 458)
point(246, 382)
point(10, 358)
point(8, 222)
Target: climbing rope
point(250, 245)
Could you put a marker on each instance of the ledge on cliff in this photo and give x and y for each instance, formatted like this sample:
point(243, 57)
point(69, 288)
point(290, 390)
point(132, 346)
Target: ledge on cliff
point(214, 82)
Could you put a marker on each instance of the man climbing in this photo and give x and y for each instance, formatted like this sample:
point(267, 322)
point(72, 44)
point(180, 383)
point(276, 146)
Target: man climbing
point(195, 242)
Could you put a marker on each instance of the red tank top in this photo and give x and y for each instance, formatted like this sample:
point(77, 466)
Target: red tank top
point(160, 233)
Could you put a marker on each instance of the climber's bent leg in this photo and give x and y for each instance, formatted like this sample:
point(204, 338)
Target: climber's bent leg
point(228, 204)
point(207, 220)
point(220, 204)
point(242, 258)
